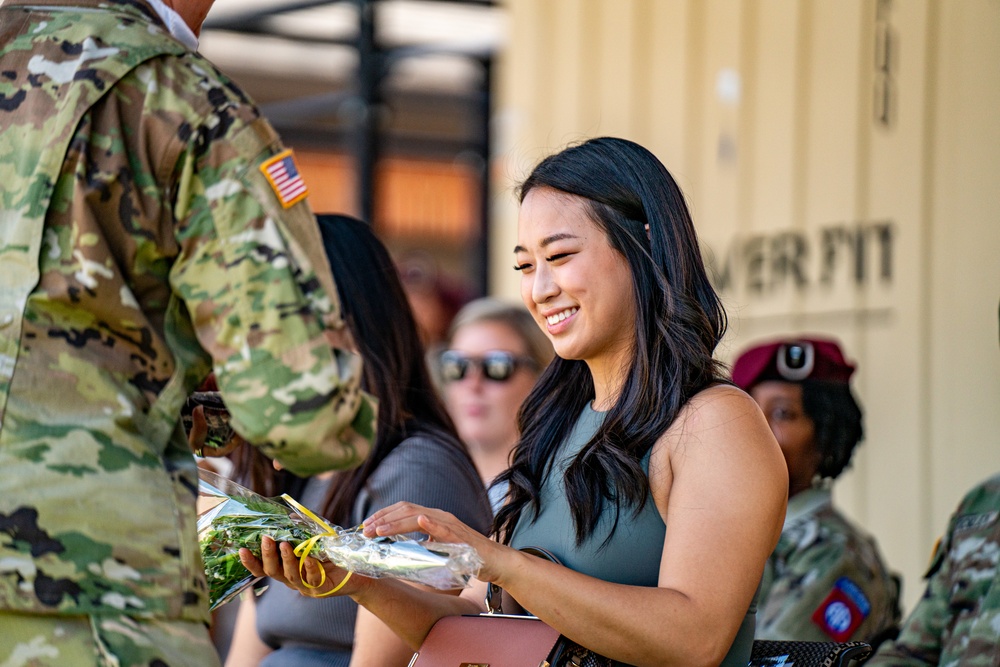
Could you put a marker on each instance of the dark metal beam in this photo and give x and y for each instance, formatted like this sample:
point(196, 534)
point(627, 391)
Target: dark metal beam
point(392, 54)
point(482, 248)
point(302, 108)
point(340, 140)
point(264, 31)
point(253, 18)
point(370, 74)
point(482, 3)
point(250, 19)
point(397, 53)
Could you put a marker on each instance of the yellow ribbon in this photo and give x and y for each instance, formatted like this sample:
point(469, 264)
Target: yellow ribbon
point(305, 548)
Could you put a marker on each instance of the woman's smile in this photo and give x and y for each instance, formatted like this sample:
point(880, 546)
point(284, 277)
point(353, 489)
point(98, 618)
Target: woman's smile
point(556, 319)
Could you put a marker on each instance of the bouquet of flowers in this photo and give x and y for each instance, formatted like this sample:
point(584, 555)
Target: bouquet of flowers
point(232, 517)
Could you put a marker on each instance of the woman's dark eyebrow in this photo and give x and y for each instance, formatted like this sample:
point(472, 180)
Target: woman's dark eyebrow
point(548, 240)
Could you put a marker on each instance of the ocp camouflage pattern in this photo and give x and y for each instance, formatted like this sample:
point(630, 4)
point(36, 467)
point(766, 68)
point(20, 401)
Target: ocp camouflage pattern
point(957, 621)
point(103, 640)
point(817, 548)
point(141, 248)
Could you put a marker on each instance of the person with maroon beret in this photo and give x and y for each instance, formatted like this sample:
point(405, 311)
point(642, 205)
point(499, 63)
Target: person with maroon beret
point(826, 580)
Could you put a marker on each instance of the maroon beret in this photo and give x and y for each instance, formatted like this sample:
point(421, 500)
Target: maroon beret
point(792, 360)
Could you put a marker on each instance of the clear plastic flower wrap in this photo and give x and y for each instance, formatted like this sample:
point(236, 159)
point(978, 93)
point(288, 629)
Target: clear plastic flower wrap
point(231, 517)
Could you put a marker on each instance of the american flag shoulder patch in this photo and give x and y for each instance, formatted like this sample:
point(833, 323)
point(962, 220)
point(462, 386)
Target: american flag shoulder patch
point(284, 177)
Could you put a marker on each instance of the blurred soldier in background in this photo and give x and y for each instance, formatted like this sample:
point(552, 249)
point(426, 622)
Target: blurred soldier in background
point(825, 580)
point(152, 229)
point(957, 621)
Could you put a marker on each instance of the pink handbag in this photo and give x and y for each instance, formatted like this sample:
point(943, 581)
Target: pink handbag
point(496, 639)
point(487, 640)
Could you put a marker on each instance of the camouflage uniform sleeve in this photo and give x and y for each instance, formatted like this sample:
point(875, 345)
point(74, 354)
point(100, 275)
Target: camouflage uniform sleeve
point(818, 594)
point(261, 299)
point(919, 641)
point(940, 626)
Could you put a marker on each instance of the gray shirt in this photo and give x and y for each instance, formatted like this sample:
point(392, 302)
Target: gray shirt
point(310, 632)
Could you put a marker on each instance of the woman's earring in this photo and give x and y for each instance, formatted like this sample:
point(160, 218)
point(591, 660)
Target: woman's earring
point(648, 237)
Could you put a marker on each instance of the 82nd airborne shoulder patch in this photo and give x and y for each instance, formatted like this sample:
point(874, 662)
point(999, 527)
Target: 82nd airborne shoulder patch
point(843, 610)
point(286, 181)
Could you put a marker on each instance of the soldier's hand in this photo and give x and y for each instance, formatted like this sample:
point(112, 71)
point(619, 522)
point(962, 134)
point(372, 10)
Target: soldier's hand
point(199, 432)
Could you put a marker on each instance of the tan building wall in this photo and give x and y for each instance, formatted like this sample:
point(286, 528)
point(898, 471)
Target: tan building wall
point(840, 185)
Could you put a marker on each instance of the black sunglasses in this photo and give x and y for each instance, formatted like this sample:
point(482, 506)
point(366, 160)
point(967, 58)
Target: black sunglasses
point(497, 366)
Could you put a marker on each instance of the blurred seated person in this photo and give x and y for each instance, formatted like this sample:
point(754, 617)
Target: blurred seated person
point(826, 580)
point(417, 457)
point(434, 298)
point(495, 353)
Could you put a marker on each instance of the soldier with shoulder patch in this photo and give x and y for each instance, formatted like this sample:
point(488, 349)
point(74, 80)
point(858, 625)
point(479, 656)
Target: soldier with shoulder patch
point(153, 229)
point(826, 580)
point(957, 621)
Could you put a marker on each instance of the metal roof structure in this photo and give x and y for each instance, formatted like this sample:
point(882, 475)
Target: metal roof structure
point(368, 77)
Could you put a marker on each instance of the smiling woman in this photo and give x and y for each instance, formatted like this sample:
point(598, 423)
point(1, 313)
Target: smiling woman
point(560, 252)
point(630, 429)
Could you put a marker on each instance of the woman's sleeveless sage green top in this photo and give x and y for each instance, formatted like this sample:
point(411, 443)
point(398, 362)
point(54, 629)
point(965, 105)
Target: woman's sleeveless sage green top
point(632, 554)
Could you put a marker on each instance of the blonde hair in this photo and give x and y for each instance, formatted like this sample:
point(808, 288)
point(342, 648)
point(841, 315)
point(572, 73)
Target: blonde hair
point(514, 316)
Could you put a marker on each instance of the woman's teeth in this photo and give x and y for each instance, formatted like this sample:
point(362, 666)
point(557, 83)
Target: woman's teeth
point(559, 317)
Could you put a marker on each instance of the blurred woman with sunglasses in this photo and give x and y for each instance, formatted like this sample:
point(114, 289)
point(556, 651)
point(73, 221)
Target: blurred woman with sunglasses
point(417, 457)
point(657, 483)
point(495, 354)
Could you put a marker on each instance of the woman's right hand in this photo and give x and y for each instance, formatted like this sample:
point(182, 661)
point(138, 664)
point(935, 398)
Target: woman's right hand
point(279, 562)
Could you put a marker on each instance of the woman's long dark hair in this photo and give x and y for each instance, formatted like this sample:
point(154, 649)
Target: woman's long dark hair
point(381, 322)
point(679, 322)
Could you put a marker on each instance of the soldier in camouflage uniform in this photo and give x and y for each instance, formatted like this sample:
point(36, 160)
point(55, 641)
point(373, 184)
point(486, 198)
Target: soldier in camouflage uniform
point(152, 229)
point(825, 580)
point(957, 622)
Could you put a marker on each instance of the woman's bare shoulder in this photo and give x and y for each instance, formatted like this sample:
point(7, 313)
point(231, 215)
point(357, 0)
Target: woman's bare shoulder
point(721, 414)
point(720, 436)
point(721, 420)
point(718, 406)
